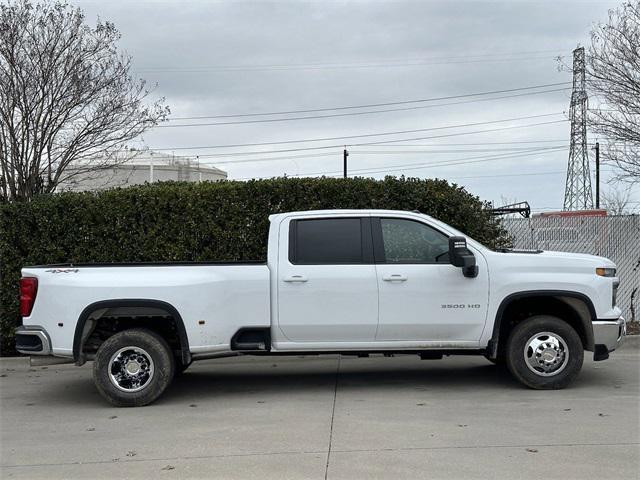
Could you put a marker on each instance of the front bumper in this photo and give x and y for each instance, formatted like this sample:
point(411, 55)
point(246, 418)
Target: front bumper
point(32, 340)
point(607, 336)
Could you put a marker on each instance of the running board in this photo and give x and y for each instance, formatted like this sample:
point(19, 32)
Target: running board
point(39, 361)
point(249, 346)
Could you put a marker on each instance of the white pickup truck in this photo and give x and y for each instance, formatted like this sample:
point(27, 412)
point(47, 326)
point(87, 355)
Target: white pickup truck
point(336, 281)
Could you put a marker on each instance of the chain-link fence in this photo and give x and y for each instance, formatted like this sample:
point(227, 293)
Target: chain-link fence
point(615, 237)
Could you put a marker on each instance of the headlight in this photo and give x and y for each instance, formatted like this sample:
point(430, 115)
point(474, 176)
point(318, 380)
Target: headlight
point(606, 272)
point(615, 293)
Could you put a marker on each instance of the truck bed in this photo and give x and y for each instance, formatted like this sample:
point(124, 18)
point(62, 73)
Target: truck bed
point(214, 299)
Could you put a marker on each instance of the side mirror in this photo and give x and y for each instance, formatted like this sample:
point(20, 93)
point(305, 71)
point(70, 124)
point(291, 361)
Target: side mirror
point(461, 256)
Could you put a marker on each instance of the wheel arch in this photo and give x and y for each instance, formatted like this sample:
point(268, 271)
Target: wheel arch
point(579, 304)
point(83, 331)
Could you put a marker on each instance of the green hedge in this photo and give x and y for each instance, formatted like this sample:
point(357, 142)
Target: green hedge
point(204, 221)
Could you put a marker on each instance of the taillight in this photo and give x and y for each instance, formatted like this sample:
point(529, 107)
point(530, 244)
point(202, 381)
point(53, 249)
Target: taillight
point(28, 291)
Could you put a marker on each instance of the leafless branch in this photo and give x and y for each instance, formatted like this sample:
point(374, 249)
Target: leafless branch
point(68, 102)
point(613, 76)
point(616, 199)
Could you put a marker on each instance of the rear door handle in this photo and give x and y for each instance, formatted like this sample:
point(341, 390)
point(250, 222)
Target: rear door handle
point(295, 279)
point(395, 277)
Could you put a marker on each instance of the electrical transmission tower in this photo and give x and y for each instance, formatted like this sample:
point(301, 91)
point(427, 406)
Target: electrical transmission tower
point(577, 193)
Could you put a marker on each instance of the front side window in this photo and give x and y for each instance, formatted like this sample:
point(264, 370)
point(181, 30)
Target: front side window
point(408, 241)
point(326, 241)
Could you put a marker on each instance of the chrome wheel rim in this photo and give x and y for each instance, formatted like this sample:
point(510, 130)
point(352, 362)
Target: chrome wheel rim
point(131, 369)
point(546, 354)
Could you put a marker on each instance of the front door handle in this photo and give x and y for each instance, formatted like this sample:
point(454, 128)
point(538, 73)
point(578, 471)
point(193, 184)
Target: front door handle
point(395, 277)
point(295, 279)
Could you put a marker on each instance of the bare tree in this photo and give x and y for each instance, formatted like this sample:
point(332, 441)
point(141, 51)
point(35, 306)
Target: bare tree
point(616, 200)
point(68, 103)
point(613, 75)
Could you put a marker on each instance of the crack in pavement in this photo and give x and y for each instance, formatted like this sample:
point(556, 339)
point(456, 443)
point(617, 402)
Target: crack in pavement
point(333, 413)
point(312, 452)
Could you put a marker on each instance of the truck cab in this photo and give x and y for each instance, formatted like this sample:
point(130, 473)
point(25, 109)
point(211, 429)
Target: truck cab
point(398, 267)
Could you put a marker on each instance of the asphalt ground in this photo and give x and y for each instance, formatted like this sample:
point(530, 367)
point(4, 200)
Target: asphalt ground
point(326, 417)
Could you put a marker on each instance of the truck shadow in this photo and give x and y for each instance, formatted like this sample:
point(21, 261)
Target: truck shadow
point(216, 383)
point(211, 381)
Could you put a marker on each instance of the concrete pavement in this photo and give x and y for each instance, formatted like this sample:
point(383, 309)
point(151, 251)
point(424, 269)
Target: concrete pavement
point(326, 417)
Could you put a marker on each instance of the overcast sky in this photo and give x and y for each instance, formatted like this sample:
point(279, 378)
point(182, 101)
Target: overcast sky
point(229, 58)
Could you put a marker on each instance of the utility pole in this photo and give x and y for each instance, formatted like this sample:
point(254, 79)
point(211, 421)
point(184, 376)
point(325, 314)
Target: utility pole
point(578, 194)
point(597, 175)
point(345, 154)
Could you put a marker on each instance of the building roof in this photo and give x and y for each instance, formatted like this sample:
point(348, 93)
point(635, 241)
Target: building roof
point(163, 160)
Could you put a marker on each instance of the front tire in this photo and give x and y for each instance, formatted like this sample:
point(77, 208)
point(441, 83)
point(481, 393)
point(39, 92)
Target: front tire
point(544, 353)
point(133, 368)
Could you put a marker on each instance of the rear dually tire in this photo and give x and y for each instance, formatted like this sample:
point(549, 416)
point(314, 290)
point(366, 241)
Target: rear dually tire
point(133, 368)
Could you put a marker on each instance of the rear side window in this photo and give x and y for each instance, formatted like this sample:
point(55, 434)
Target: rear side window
point(326, 241)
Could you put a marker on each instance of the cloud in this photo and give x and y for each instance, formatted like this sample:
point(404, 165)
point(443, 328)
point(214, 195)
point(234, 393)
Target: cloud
point(231, 57)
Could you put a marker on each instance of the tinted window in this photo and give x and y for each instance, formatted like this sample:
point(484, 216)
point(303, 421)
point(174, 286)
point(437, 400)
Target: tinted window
point(327, 241)
point(406, 241)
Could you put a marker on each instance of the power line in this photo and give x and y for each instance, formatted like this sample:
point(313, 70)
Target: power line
point(336, 66)
point(374, 105)
point(386, 141)
point(348, 137)
point(325, 147)
point(526, 174)
point(448, 57)
point(333, 154)
point(421, 165)
point(404, 152)
point(469, 160)
point(333, 115)
point(289, 157)
point(554, 172)
point(473, 143)
point(314, 155)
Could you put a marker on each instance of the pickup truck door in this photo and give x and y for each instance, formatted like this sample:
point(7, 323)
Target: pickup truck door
point(422, 296)
point(326, 280)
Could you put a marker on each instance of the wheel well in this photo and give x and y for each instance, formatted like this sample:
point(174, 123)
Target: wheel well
point(576, 311)
point(102, 320)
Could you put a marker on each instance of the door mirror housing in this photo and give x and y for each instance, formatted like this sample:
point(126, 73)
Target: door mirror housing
point(462, 257)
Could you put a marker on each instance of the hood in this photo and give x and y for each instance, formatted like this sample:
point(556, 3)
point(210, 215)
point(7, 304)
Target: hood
point(603, 262)
point(548, 254)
